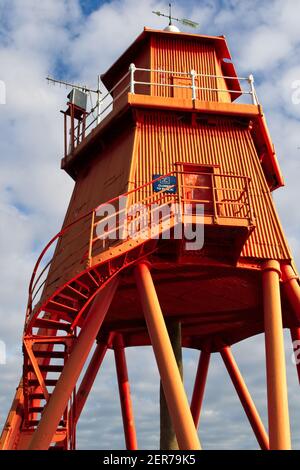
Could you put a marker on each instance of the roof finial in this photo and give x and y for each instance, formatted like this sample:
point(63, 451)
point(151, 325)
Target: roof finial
point(171, 26)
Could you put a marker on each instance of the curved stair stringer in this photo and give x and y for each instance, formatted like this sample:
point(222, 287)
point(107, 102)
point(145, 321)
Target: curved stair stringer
point(50, 334)
point(12, 436)
point(11, 431)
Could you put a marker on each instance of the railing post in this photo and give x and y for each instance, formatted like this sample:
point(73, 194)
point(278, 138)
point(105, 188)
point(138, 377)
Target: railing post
point(90, 252)
point(250, 211)
point(180, 196)
point(215, 197)
point(132, 70)
point(72, 130)
point(65, 134)
point(99, 101)
point(252, 89)
point(194, 91)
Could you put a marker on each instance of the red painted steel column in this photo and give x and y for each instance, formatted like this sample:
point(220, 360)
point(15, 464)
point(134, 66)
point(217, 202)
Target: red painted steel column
point(53, 412)
point(292, 288)
point(168, 439)
point(199, 387)
point(278, 412)
point(245, 397)
point(125, 397)
point(89, 377)
point(295, 334)
point(176, 398)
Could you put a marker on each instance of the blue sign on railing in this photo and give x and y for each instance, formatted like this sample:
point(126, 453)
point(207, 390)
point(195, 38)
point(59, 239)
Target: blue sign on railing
point(168, 184)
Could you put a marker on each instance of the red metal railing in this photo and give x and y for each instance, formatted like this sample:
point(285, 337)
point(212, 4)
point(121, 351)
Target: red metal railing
point(131, 215)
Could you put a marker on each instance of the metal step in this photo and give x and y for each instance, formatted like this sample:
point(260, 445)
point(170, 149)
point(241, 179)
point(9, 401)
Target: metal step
point(77, 292)
point(36, 409)
point(83, 285)
point(62, 307)
point(37, 396)
point(50, 354)
point(47, 368)
point(35, 422)
point(49, 382)
point(51, 324)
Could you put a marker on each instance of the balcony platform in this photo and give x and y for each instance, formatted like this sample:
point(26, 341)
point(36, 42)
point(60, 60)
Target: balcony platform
point(184, 104)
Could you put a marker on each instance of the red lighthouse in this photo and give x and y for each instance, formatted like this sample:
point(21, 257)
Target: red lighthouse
point(171, 234)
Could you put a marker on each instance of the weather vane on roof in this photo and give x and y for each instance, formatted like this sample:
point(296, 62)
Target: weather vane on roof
point(184, 21)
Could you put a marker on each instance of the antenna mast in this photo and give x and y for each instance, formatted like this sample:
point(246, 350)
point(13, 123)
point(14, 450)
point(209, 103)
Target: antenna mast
point(71, 85)
point(83, 88)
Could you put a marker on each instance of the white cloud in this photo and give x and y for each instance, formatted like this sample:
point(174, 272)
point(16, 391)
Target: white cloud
point(264, 49)
point(37, 38)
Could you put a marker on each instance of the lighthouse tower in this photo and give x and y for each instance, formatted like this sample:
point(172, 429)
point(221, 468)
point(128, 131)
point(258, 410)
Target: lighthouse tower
point(171, 239)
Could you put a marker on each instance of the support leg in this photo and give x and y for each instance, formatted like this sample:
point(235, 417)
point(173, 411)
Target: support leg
point(168, 439)
point(245, 397)
point(278, 413)
point(295, 334)
point(89, 377)
point(176, 398)
point(292, 290)
point(199, 387)
point(53, 412)
point(125, 397)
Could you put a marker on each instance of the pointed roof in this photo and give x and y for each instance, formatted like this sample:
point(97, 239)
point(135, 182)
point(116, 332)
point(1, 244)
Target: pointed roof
point(113, 74)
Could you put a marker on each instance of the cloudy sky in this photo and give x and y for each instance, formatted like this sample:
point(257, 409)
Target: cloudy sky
point(76, 40)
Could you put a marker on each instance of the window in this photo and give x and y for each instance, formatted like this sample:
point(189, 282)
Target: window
point(198, 187)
